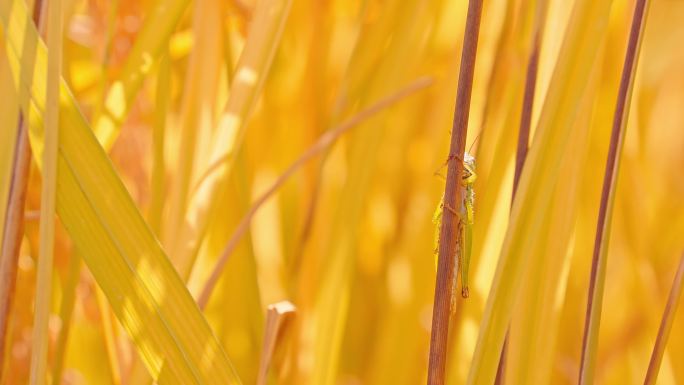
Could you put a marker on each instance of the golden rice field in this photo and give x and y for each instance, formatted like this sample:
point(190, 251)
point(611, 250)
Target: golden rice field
point(244, 192)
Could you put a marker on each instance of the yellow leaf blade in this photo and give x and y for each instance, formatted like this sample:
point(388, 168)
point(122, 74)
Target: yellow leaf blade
point(144, 290)
point(572, 70)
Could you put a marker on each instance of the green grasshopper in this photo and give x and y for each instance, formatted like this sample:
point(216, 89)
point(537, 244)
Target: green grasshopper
point(464, 241)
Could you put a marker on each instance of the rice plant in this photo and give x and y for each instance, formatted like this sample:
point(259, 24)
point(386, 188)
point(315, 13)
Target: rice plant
point(341, 192)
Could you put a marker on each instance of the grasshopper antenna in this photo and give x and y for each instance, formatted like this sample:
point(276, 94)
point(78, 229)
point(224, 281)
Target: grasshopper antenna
point(474, 141)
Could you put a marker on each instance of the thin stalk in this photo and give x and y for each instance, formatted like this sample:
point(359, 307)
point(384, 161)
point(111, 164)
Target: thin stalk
point(14, 231)
point(524, 133)
point(158, 179)
point(39, 350)
point(599, 259)
point(325, 141)
point(65, 313)
point(665, 325)
point(450, 223)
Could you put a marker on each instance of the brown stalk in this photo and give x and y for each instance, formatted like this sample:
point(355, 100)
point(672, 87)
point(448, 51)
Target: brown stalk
point(14, 216)
point(277, 317)
point(665, 325)
point(450, 223)
point(322, 144)
point(524, 134)
point(14, 230)
point(598, 264)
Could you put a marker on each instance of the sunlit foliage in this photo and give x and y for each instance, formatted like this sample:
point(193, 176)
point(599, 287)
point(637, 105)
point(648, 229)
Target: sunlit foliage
point(201, 105)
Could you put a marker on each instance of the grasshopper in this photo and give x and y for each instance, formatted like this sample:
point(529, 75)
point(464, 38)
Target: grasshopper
point(466, 215)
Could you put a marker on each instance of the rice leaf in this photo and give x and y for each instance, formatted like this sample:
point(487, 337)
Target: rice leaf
point(576, 60)
point(144, 290)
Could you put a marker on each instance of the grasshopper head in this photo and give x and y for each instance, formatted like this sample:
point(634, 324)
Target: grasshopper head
point(468, 168)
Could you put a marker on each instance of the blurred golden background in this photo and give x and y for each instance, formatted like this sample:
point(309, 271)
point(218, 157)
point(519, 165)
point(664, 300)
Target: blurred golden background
point(349, 238)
